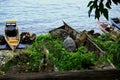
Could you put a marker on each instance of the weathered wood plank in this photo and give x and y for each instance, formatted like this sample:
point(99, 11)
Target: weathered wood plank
point(68, 75)
point(91, 46)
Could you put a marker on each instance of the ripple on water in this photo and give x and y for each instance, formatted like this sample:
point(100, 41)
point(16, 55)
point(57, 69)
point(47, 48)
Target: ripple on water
point(41, 15)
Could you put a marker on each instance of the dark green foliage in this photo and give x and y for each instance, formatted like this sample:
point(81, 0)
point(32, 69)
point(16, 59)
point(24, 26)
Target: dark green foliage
point(105, 13)
point(116, 2)
point(108, 3)
point(112, 47)
point(73, 61)
point(61, 58)
point(101, 7)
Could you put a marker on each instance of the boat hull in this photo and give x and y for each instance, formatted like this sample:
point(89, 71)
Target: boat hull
point(103, 25)
point(64, 30)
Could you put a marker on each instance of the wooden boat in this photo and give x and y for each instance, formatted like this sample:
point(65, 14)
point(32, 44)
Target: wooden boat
point(107, 28)
point(64, 30)
point(115, 22)
point(11, 34)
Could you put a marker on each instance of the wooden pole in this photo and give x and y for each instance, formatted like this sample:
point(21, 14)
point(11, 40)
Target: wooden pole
point(68, 75)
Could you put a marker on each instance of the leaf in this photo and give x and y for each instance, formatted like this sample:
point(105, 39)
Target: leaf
point(95, 3)
point(109, 1)
point(116, 2)
point(89, 3)
point(97, 13)
point(90, 10)
point(105, 13)
point(101, 5)
point(108, 5)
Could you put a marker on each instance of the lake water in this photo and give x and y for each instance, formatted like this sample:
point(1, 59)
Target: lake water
point(40, 16)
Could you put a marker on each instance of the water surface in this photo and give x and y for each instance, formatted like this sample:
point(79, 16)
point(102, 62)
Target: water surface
point(40, 16)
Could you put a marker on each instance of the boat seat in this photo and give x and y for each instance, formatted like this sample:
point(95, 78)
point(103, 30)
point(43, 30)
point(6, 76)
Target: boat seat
point(13, 42)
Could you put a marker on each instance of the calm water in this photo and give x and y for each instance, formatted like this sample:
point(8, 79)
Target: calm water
point(40, 16)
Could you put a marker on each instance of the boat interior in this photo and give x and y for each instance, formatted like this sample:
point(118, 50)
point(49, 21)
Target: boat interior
point(11, 30)
point(117, 20)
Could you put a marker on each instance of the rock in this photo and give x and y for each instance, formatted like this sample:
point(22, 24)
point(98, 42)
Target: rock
point(2, 40)
point(69, 44)
point(27, 38)
point(91, 32)
point(96, 35)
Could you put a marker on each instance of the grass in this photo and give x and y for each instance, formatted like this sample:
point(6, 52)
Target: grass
point(32, 56)
point(111, 46)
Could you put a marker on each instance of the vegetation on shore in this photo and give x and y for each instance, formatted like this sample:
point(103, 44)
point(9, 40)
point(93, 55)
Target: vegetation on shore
point(57, 56)
point(62, 59)
point(111, 46)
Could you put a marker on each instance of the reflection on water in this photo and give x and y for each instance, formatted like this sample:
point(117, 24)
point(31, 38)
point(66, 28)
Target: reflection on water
point(40, 16)
point(20, 46)
point(3, 47)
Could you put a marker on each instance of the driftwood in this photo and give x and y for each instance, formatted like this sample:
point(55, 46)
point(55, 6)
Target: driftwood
point(71, 75)
point(91, 46)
